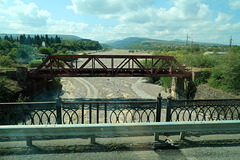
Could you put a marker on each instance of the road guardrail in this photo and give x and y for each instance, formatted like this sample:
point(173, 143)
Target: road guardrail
point(117, 128)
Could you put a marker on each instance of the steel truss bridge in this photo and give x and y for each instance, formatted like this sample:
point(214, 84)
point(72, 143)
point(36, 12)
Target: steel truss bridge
point(109, 66)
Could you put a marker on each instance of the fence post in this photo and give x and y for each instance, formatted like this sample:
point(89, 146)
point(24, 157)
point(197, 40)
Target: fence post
point(29, 141)
point(158, 113)
point(168, 111)
point(93, 139)
point(59, 110)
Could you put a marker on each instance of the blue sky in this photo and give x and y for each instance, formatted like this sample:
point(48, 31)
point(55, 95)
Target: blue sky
point(104, 20)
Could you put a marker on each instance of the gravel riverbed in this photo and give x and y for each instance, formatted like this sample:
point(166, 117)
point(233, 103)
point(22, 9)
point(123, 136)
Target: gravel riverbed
point(111, 87)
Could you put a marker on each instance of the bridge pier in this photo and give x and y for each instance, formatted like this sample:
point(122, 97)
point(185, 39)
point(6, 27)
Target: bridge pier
point(32, 86)
point(180, 86)
point(22, 75)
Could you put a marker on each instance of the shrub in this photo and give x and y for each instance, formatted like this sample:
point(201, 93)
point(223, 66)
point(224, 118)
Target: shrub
point(84, 53)
point(203, 78)
point(166, 82)
point(226, 75)
point(34, 63)
point(6, 61)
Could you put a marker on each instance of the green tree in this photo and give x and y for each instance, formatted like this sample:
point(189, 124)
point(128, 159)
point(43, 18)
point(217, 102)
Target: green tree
point(25, 54)
point(6, 62)
point(22, 39)
point(46, 50)
point(5, 46)
point(13, 54)
point(226, 75)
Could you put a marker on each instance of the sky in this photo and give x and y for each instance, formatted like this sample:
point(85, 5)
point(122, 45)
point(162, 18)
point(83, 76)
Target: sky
point(105, 20)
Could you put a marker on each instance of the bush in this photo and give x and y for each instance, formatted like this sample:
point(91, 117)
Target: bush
point(166, 82)
point(84, 53)
point(34, 63)
point(203, 78)
point(6, 61)
point(46, 50)
point(226, 75)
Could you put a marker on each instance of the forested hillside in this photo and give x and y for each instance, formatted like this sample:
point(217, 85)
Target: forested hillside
point(26, 49)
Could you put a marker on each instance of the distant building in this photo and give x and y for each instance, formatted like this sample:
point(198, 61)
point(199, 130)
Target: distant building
point(43, 44)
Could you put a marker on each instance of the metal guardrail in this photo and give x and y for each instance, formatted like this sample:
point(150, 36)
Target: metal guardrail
point(120, 128)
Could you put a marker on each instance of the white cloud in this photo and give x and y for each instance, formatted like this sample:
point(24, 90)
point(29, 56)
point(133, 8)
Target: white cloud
point(66, 27)
point(29, 14)
point(190, 10)
point(108, 8)
point(223, 18)
point(3, 2)
point(139, 18)
point(234, 4)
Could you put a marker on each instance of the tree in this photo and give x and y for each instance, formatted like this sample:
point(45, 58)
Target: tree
point(29, 40)
point(46, 50)
point(25, 54)
point(47, 41)
point(6, 38)
point(57, 39)
point(226, 75)
point(6, 61)
point(22, 39)
point(5, 46)
point(13, 54)
point(37, 40)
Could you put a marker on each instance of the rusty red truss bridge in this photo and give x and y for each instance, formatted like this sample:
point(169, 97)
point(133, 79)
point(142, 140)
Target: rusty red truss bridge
point(109, 66)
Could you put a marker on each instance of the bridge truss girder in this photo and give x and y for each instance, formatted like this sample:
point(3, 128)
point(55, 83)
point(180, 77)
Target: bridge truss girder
point(109, 66)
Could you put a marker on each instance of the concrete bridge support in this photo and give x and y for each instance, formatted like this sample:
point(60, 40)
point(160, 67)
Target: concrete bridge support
point(180, 87)
point(30, 86)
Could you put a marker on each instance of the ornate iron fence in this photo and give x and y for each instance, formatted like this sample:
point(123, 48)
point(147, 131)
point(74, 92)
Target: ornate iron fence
point(29, 113)
point(79, 112)
point(202, 110)
point(93, 112)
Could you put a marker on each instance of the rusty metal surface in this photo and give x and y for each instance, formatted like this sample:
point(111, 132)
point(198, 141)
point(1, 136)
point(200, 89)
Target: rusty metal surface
point(109, 66)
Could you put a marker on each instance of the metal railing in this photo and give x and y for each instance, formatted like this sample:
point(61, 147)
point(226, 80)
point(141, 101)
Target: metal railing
point(79, 112)
point(133, 111)
point(202, 110)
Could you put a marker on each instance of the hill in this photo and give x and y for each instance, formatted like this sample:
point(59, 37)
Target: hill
point(153, 44)
point(156, 45)
point(128, 41)
point(63, 37)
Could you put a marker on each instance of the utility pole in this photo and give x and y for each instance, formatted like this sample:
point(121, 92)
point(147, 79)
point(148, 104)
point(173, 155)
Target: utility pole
point(187, 40)
point(230, 45)
point(192, 45)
